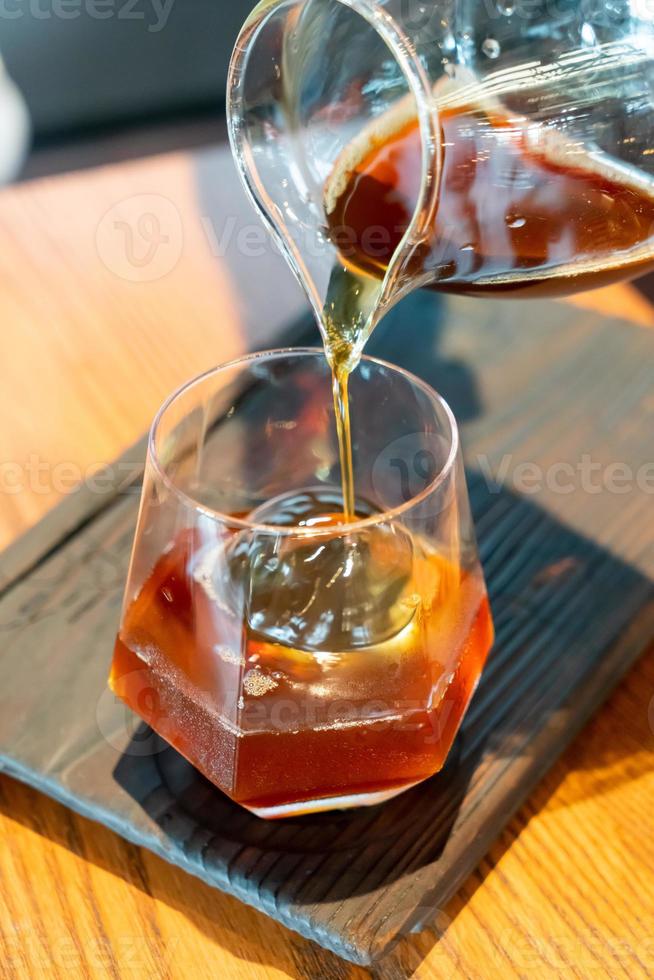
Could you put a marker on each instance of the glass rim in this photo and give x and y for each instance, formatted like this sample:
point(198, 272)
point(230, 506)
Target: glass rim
point(244, 524)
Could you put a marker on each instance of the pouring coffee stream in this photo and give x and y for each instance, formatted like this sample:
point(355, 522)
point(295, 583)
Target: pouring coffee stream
point(470, 153)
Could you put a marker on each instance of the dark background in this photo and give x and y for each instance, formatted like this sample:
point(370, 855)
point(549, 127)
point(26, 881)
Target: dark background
point(109, 79)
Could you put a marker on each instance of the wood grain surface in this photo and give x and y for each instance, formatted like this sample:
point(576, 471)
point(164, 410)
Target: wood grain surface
point(87, 356)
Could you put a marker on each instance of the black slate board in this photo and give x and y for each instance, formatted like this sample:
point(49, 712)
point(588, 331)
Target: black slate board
point(570, 575)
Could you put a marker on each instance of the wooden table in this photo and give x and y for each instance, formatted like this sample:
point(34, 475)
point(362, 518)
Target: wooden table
point(104, 311)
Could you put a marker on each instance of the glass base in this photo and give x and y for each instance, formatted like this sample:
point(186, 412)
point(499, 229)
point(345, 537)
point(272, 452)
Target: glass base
point(328, 803)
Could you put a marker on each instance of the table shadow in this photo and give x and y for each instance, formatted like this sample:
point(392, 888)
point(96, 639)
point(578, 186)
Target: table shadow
point(530, 590)
point(549, 587)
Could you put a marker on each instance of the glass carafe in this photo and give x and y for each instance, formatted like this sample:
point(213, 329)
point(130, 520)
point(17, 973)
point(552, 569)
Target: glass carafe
point(478, 146)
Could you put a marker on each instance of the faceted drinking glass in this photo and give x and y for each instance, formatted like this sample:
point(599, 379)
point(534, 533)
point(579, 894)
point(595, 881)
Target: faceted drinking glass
point(299, 661)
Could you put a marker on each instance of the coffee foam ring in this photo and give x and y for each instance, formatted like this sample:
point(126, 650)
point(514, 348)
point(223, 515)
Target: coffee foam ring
point(381, 130)
point(464, 91)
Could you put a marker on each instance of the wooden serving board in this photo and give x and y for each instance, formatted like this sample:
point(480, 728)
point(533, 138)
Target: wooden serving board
point(557, 411)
